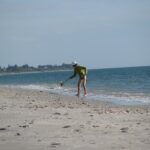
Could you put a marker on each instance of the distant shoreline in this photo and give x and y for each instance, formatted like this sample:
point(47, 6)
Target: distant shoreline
point(14, 73)
point(60, 70)
point(39, 68)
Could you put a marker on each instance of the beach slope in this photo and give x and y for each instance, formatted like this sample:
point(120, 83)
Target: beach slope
point(35, 120)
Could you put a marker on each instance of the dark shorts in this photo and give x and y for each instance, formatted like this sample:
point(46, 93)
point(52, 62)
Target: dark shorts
point(82, 77)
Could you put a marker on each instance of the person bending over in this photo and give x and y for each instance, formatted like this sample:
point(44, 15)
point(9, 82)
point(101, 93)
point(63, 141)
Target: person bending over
point(82, 72)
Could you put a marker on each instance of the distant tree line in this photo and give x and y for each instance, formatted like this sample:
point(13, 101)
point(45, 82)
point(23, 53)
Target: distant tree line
point(27, 68)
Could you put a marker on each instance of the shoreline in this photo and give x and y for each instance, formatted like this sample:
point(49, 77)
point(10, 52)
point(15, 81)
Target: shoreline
point(30, 72)
point(45, 88)
point(35, 120)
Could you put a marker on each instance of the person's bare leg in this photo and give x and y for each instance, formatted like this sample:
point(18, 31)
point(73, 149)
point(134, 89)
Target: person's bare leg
point(79, 84)
point(84, 86)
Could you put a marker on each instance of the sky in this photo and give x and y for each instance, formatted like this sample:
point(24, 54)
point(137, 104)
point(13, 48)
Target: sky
point(95, 33)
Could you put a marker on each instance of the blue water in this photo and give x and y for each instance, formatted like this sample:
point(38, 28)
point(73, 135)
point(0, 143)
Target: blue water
point(127, 86)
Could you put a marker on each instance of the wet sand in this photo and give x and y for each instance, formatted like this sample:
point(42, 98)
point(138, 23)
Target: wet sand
point(36, 120)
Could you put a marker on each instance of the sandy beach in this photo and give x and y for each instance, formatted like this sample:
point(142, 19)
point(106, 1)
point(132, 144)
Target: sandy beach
point(36, 120)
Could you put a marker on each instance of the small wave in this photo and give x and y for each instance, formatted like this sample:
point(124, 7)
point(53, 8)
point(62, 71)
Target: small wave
point(122, 98)
point(34, 87)
point(54, 88)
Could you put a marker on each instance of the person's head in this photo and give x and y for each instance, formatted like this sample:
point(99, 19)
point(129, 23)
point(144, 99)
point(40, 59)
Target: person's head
point(74, 63)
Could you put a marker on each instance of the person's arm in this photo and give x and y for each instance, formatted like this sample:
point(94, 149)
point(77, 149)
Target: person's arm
point(73, 75)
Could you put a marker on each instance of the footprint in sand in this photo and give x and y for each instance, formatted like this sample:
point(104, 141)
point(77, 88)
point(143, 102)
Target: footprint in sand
point(77, 130)
point(69, 118)
point(71, 107)
point(92, 142)
point(2, 129)
point(55, 144)
point(67, 126)
point(32, 121)
point(57, 113)
point(24, 126)
point(81, 126)
point(95, 126)
point(124, 130)
point(66, 114)
point(17, 134)
point(146, 129)
point(39, 140)
point(105, 132)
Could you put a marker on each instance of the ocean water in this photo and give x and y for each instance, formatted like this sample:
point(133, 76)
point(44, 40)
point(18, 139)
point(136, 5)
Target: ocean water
point(125, 86)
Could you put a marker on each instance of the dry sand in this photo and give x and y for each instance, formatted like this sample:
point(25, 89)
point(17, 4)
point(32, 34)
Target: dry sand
point(39, 120)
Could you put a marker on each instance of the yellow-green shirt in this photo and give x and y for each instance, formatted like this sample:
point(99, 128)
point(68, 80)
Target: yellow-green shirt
point(80, 70)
